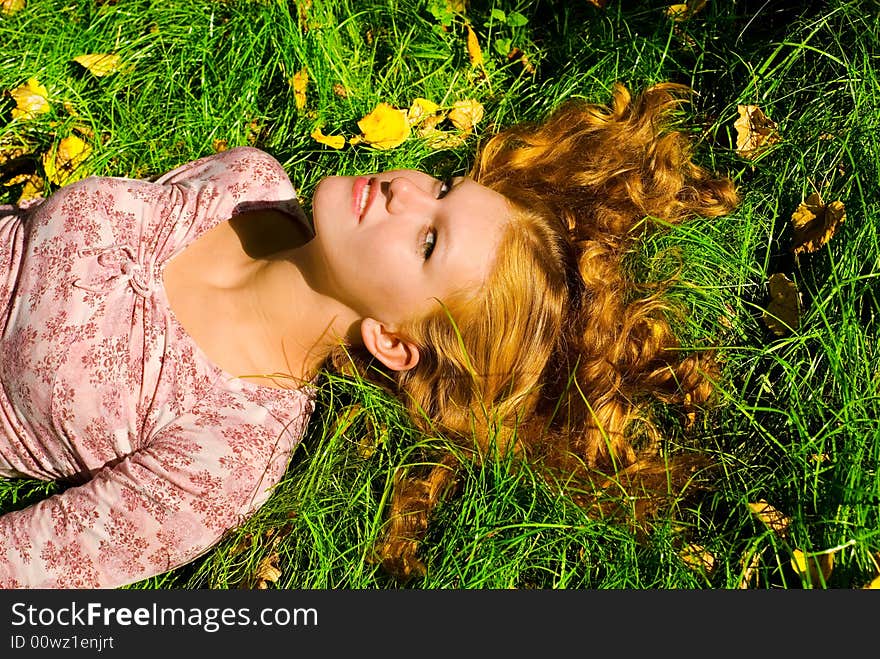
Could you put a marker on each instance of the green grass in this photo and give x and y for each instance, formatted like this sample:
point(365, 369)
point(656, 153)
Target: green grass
point(797, 417)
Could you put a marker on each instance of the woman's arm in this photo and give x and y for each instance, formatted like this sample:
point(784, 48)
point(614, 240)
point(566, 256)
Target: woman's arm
point(157, 509)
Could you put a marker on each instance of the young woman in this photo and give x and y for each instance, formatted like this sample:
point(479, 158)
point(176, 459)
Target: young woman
point(161, 340)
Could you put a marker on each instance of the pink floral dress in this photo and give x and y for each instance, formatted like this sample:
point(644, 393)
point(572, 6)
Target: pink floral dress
point(101, 385)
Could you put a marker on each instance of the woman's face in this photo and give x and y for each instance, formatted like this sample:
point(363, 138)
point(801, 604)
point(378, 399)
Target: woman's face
point(391, 243)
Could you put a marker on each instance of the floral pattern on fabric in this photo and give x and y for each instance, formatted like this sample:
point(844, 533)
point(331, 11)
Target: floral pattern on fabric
point(101, 386)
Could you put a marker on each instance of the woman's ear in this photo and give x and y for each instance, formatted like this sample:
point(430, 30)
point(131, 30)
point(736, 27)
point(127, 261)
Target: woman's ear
point(395, 352)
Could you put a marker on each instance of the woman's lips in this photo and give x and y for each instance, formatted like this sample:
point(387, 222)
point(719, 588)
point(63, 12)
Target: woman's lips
point(363, 192)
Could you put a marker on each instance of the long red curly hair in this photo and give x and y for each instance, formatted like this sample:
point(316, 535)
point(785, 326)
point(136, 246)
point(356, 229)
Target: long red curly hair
point(561, 355)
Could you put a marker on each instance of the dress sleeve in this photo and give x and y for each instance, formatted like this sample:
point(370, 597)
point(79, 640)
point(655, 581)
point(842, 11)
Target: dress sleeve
point(153, 511)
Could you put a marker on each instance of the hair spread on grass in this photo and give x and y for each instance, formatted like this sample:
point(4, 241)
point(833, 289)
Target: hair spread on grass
point(559, 358)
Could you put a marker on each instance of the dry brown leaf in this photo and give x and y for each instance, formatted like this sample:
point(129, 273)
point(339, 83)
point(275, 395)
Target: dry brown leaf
point(698, 557)
point(9, 7)
point(475, 53)
point(267, 571)
point(599, 4)
point(63, 164)
point(771, 517)
point(815, 223)
point(299, 82)
point(99, 64)
point(754, 131)
point(421, 109)
point(466, 114)
point(428, 125)
point(244, 542)
point(526, 64)
point(783, 311)
point(30, 99)
point(385, 127)
point(333, 141)
point(439, 139)
point(815, 568)
point(86, 131)
point(303, 7)
point(523, 59)
point(340, 90)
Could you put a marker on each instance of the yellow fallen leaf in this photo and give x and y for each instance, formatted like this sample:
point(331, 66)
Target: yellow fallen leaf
point(15, 180)
point(63, 164)
point(750, 565)
point(754, 131)
point(815, 223)
point(32, 189)
point(375, 436)
point(783, 312)
point(346, 417)
point(464, 115)
point(220, 145)
point(677, 12)
point(771, 517)
point(10, 152)
point(698, 557)
point(255, 132)
point(683, 11)
point(30, 99)
point(816, 568)
point(420, 109)
point(385, 127)
point(333, 141)
point(475, 53)
point(9, 7)
point(99, 64)
point(875, 583)
point(299, 82)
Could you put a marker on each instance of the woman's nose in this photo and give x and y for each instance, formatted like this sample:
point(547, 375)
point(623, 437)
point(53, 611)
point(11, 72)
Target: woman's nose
point(404, 195)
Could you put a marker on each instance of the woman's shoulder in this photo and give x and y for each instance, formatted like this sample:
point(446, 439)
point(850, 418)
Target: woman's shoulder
point(243, 162)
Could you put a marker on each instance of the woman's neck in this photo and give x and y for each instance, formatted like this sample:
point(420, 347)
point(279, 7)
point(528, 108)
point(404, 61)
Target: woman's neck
point(291, 314)
point(243, 292)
